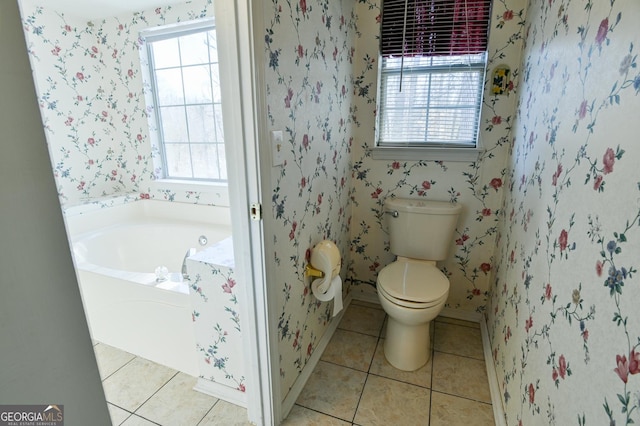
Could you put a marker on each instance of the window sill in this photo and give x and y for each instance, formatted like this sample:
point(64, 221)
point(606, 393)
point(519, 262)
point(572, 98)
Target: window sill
point(426, 154)
point(221, 190)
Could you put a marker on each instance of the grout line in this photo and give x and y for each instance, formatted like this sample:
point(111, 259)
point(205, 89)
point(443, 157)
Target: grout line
point(149, 420)
point(119, 368)
point(153, 394)
point(373, 356)
point(324, 414)
point(364, 385)
point(343, 366)
point(471, 325)
point(458, 355)
point(123, 409)
point(355, 331)
point(384, 321)
point(208, 411)
point(399, 381)
point(113, 347)
point(462, 397)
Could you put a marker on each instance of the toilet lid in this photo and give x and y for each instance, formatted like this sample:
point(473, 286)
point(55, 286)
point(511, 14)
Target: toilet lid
point(413, 281)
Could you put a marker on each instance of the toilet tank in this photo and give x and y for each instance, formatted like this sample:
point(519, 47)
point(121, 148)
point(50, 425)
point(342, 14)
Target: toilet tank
point(421, 229)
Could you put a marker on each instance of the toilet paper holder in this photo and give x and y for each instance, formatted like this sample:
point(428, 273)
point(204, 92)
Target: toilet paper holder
point(324, 260)
point(325, 263)
point(310, 271)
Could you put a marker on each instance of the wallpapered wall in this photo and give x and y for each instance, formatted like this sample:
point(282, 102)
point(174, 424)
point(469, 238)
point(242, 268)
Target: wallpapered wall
point(91, 95)
point(309, 51)
point(478, 186)
point(563, 314)
point(215, 313)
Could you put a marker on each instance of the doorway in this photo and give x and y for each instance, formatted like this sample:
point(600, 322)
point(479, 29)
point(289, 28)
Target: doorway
point(97, 152)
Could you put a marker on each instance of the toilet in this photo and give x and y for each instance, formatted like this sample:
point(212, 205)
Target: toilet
point(412, 290)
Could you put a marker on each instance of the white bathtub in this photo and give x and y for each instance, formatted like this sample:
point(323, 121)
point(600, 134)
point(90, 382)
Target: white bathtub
point(117, 250)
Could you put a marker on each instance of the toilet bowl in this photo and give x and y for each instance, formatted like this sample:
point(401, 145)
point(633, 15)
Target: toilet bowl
point(412, 290)
point(412, 293)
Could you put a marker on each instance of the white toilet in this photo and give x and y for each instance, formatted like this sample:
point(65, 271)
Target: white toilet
point(412, 290)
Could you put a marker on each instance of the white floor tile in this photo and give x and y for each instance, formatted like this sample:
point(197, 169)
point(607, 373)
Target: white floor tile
point(177, 403)
point(110, 359)
point(133, 384)
point(224, 413)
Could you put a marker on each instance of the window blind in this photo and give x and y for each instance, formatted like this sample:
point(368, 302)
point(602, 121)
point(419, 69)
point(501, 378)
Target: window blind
point(432, 76)
point(434, 27)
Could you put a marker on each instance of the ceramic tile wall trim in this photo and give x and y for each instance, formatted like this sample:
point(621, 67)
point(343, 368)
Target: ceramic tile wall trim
point(562, 315)
point(91, 94)
point(478, 186)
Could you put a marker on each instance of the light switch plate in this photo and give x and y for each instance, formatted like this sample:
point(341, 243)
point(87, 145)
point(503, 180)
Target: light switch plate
point(277, 148)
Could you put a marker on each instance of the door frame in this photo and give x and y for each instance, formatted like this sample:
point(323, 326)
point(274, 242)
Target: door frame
point(249, 167)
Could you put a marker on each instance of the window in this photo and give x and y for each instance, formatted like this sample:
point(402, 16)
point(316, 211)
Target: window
point(184, 75)
point(432, 73)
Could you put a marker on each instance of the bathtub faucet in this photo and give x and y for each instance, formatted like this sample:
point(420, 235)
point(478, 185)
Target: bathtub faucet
point(190, 252)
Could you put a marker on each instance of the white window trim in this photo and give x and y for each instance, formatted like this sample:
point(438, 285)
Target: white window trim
point(160, 181)
point(195, 25)
point(428, 153)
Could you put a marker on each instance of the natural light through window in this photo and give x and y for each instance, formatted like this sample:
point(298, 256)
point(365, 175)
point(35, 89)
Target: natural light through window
point(433, 56)
point(183, 67)
point(434, 100)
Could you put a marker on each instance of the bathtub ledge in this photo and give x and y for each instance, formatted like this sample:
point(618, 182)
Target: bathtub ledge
point(219, 254)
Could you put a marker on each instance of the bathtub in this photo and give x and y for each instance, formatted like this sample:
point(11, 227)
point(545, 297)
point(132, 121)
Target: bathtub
point(117, 251)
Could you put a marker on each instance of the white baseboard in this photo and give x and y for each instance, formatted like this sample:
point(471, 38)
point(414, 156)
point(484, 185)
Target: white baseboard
point(292, 396)
point(461, 315)
point(446, 312)
point(496, 397)
point(366, 297)
point(223, 392)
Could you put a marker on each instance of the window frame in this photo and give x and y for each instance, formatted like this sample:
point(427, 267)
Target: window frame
point(429, 151)
point(161, 168)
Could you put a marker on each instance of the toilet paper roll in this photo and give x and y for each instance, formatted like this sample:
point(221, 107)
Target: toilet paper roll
point(334, 292)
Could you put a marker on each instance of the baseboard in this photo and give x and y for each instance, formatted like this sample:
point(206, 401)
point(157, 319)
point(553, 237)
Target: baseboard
point(461, 315)
point(366, 297)
point(292, 396)
point(446, 312)
point(496, 397)
point(223, 392)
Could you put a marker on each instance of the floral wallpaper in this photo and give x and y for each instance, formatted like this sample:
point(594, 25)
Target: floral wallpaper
point(308, 56)
point(563, 312)
point(477, 185)
point(213, 290)
point(92, 98)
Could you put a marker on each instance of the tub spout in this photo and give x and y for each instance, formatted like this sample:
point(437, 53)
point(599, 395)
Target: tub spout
point(190, 252)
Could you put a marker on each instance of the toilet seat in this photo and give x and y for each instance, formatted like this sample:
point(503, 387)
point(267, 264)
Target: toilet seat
point(413, 284)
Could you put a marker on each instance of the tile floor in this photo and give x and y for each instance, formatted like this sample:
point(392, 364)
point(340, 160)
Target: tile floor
point(140, 392)
point(352, 385)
